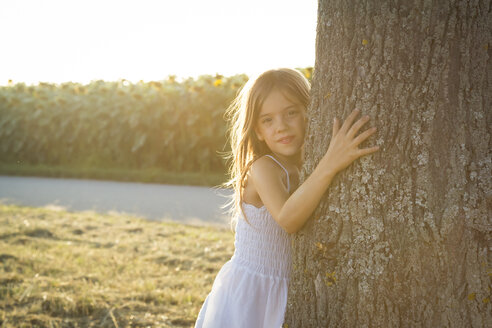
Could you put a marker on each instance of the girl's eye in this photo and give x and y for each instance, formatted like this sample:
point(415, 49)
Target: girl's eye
point(266, 120)
point(292, 112)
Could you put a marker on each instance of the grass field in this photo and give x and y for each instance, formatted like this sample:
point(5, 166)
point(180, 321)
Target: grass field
point(65, 269)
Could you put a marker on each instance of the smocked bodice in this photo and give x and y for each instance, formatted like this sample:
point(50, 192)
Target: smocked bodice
point(263, 245)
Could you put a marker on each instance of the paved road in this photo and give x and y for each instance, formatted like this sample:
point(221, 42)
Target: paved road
point(185, 204)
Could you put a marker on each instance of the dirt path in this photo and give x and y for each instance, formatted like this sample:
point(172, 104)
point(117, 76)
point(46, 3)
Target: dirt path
point(184, 204)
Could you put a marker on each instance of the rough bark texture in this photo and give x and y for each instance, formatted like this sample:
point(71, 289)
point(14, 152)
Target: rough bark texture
point(402, 238)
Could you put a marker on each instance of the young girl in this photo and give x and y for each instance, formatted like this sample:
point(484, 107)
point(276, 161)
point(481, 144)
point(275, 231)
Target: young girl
point(267, 135)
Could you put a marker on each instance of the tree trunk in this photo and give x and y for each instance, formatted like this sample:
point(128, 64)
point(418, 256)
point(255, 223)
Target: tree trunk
point(402, 237)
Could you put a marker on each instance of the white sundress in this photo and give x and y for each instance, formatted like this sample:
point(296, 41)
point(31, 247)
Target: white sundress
point(250, 290)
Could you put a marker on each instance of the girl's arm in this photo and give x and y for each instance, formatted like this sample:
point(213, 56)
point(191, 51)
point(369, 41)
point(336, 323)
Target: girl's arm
point(292, 212)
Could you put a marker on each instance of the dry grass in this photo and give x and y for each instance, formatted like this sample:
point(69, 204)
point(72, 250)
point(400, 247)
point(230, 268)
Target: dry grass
point(64, 269)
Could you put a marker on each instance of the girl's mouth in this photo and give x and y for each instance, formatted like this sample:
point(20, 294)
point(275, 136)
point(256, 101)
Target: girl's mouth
point(286, 140)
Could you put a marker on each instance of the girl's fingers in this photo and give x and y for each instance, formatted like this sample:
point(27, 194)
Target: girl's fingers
point(363, 136)
point(357, 125)
point(335, 128)
point(350, 119)
point(367, 151)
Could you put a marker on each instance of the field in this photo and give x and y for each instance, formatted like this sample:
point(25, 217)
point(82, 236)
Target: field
point(165, 131)
point(65, 269)
point(152, 175)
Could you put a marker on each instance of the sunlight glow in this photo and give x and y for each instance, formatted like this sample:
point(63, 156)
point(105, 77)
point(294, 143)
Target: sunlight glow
point(80, 41)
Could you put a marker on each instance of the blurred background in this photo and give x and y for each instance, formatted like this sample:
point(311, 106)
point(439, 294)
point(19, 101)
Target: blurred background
point(136, 91)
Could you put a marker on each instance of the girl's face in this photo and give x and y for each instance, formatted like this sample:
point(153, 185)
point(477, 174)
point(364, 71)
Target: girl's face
point(281, 125)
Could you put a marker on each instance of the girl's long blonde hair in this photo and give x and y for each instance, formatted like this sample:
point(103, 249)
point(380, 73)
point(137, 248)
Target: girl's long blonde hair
point(243, 114)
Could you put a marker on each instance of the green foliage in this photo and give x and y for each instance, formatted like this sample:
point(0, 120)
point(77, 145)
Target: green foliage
point(161, 124)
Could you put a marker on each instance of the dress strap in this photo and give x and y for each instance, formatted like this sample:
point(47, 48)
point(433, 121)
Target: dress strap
point(286, 172)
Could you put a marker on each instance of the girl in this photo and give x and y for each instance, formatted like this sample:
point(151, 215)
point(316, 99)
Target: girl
point(267, 135)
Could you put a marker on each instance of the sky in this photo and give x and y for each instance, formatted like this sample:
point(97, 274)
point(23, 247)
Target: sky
point(64, 40)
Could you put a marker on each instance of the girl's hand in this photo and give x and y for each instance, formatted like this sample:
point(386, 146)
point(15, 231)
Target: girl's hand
point(343, 148)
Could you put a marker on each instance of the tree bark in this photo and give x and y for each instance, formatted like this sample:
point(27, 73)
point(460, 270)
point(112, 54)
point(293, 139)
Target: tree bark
point(402, 237)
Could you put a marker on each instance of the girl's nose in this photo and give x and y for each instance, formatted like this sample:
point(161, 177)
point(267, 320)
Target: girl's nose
point(281, 124)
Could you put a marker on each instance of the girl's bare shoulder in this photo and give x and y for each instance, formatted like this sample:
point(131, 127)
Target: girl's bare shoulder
point(264, 167)
point(264, 174)
point(260, 170)
point(266, 171)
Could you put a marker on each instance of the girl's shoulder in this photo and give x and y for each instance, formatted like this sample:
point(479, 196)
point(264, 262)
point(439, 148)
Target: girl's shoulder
point(264, 174)
point(264, 166)
point(262, 171)
point(267, 163)
point(265, 170)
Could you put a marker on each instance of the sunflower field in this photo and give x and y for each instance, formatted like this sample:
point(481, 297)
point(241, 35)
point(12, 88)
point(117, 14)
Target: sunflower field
point(170, 125)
